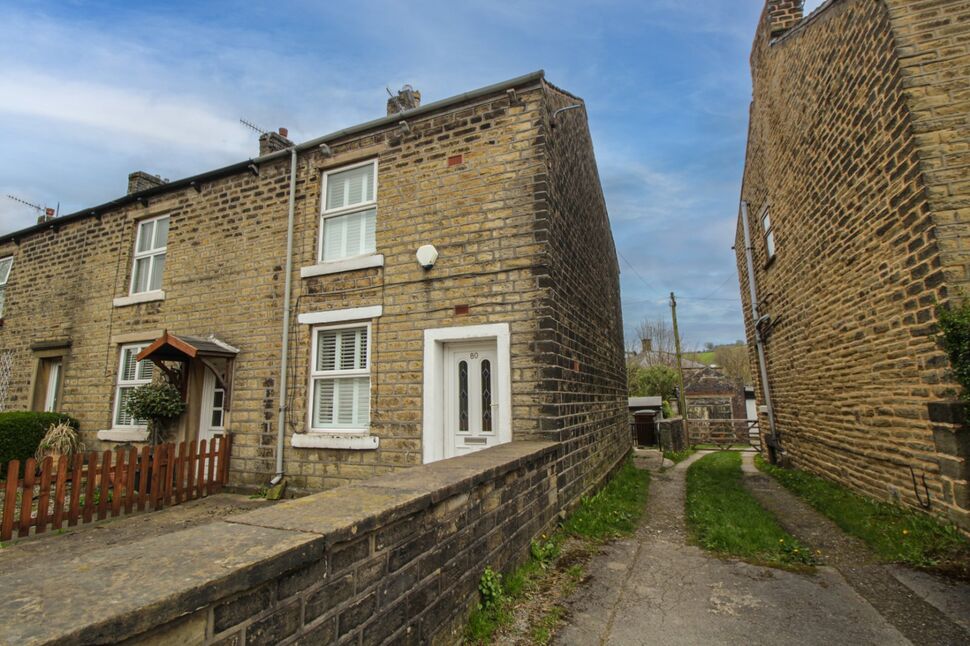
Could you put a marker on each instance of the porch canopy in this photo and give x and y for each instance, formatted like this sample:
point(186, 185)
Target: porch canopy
point(217, 355)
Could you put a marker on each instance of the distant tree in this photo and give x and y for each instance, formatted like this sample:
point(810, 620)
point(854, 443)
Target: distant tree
point(734, 361)
point(708, 346)
point(655, 381)
point(661, 336)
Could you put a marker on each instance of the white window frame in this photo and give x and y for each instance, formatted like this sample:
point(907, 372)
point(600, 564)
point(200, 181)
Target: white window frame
point(326, 213)
point(3, 285)
point(127, 383)
point(336, 374)
point(150, 253)
point(768, 233)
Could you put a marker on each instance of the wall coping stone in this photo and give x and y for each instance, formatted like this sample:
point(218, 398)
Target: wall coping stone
point(121, 591)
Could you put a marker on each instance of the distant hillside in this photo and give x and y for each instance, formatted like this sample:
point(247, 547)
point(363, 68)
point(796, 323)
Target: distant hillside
point(707, 358)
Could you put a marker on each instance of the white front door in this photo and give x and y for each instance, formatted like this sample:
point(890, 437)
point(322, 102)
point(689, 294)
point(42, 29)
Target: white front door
point(212, 421)
point(470, 397)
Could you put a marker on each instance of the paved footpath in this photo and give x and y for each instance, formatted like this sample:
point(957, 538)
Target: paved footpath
point(654, 588)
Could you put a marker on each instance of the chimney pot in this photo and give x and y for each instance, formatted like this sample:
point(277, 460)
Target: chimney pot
point(284, 132)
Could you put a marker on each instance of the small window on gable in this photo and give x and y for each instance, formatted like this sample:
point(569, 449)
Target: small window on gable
point(769, 233)
point(348, 219)
point(151, 243)
point(5, 265)
point(131, 374)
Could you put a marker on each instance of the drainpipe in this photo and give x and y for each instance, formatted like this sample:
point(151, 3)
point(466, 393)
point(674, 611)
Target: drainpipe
point(284, 353)
point(758, 340)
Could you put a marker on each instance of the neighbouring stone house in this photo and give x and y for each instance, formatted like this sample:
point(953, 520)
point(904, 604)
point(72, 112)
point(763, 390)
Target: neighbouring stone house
point(855, 191)
point(711, 394)
point(505, 326)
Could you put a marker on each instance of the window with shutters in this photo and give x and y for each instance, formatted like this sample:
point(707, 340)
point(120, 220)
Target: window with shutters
point(151, 242)
point(5, 265)
point(340, 378)
point(349, 217)
point(131, 374)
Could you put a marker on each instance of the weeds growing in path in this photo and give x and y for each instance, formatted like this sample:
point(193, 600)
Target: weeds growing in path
point(895, 534)
point(725, 518)
point(556, 564)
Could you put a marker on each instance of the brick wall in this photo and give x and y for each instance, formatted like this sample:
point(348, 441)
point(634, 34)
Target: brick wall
point(582, 375)
point(393, 560)
point(834, 153)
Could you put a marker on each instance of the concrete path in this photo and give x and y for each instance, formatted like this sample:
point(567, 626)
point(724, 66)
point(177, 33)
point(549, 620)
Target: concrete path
point(924, 608)
point(655, 589)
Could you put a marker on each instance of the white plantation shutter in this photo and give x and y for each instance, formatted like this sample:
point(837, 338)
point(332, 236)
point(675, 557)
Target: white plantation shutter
point(131, 374)
point(323, 403)
point(350, 187)
point(341, 385)
point(349, 218)
point(345, 236)
point(327, 350)
point(123, 418)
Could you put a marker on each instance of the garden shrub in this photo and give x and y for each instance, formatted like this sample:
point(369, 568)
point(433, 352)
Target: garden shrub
point(21, 433)
point(955, 339)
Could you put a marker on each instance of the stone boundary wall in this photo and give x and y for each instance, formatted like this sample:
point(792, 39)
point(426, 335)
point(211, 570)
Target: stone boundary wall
point(671, 434)
point(395, 559)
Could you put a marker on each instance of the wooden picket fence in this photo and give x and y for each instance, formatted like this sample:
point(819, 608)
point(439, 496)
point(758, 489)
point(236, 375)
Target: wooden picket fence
point(84, 488)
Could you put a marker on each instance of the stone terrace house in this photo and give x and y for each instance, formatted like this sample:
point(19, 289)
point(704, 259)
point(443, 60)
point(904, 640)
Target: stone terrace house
point(855, 201)
point(436, 281)
point(711, 394)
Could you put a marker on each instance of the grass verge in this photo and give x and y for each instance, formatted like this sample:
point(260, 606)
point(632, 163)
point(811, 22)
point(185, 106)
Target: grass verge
point(555, 567)
point(724, 518)
point(894, 534)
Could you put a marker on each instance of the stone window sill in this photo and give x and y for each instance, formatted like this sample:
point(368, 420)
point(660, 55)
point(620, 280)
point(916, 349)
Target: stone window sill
point(143, 297)
point(339, 266)
point(319, 440)
point(124, 435)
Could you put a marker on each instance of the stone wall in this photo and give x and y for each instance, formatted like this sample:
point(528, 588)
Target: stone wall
point(514, 208)
point(672, 435)
point(582, 370)
point(834, 154)
point(931, 44)
point(396, 559)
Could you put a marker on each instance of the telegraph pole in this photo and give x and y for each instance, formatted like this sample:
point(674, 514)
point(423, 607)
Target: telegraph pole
point(682, 396)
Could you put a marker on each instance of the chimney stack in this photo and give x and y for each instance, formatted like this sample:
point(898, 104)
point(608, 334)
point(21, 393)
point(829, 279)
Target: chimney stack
point(407, 99)
point(46, 217)
point(782, 15)
point(140, 181)
point(646, 344)
point(270, 142)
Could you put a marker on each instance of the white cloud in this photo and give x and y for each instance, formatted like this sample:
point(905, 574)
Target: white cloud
point(179, 121)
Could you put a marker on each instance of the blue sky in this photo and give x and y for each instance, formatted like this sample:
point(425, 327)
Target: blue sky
point(91, 91)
